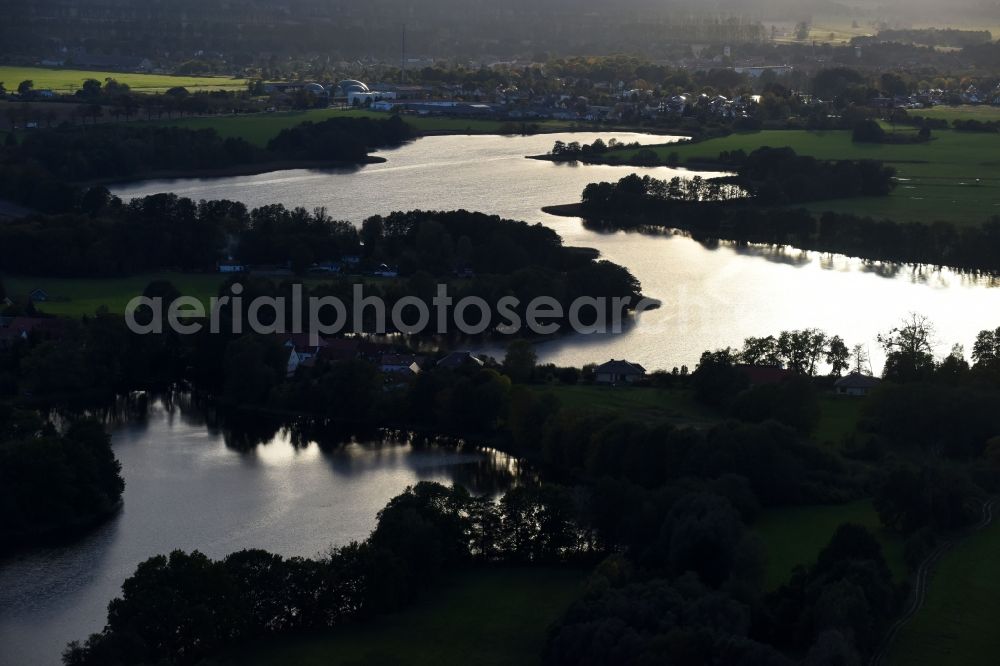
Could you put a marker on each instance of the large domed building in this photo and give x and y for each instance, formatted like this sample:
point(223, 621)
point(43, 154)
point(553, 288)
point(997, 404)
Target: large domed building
point(348, 86)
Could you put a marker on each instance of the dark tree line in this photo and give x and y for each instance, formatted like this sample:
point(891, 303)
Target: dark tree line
point(181, 608)
point(634, 202)
point(110, 238)
point(53, 484)
point(767, 176)
point(41, 170)
point(699, 605)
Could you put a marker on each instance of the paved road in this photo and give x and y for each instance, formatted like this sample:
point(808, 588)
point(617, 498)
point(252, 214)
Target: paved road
point(922, 580)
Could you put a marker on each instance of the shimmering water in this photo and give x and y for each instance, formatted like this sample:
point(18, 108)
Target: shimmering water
point(192, 483)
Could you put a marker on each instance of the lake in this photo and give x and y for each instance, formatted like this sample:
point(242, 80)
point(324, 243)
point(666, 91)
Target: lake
point(195, 482)
point(713, 296)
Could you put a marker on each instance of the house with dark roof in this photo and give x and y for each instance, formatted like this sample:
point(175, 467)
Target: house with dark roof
point(856, 384)
point(457, 360)
point(618, 372)
point(400, 364)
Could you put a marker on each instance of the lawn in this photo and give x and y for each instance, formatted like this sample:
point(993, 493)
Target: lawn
point(259, 128)
point(494, 617)
point(957, 624)
point(650, 404)
point(965, 112)
point(838, 418)
point(76, 297)
point(955, 176)
point(68, 80)
point(796, 535)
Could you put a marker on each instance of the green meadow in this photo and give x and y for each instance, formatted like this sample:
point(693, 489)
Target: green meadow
point(259, 128)
point(68, 80)
point(957, 624)
point(77, 297)
point(486, 617)
point(651, 404)
point(953, 177)
point(981, 112)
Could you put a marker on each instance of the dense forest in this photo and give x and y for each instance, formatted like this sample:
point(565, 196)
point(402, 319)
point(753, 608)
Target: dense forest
point(54, 483)
point(41, 170)
point(107, 237)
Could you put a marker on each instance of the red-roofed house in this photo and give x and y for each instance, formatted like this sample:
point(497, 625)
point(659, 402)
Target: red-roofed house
point(763, 375)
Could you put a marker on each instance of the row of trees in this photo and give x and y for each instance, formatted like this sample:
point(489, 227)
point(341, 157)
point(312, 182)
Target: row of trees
point(40, 170)
point(629, 204)
point(183, 608)
point(107, 237)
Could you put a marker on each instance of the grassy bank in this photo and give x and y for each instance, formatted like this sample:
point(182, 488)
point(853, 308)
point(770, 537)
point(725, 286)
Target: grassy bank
point(651, 404)
point(796, 535)
point(957, 624)
point(70, 80)
point(76, 297)
point(963, 112)
point(259, 128)
point(492, 617)
point(955, 176)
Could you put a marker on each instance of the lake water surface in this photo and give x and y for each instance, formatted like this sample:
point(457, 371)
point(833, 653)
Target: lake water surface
point(713, 296)
point(194, 484)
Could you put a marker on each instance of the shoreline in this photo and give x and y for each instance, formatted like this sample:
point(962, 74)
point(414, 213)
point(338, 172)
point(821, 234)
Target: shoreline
point(565, 210)
point(591, 161)
point(253, 169)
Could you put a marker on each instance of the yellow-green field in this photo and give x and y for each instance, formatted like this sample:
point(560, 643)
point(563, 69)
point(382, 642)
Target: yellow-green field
point(954, 177)
point(68, 80)
point(824, 30)
point(957, 624)
point(795, 536)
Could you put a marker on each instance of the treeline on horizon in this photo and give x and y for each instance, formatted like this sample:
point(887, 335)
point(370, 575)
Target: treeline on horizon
point(43, 170)
point(777, 179)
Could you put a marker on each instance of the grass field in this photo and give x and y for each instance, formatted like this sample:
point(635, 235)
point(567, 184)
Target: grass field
point(957, 624)
point(954, 177)
point(68, 80)
point(964, 112)
point(76, 297)
point(796, 535)
point(486, 618)
point(261, 127)
point(646, 403)
point(838, 418)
